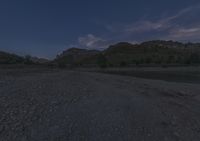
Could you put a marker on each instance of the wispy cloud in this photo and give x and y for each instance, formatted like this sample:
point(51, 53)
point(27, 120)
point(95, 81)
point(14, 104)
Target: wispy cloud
point(185, 33)
point(184, 25)
point(91, 41)
point(143, 26)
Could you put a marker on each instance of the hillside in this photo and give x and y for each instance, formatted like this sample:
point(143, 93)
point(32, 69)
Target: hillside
point(120, 54)
point(77, 56)
point(124, 54)
point(7, 58)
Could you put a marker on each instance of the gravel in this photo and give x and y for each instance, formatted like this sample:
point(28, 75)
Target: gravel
point(62, 105)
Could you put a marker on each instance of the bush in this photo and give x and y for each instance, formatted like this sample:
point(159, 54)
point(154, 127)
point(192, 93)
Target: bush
point(102, 61)
point(194, 58)
point(61, 65)
point(27, 60)
point(123, 64)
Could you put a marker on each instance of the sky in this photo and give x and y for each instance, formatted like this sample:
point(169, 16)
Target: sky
point(45, 28)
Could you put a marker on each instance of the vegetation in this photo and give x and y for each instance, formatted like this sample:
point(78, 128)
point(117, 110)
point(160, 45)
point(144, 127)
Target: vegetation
point(102, 61)
point(7, 58)
point(119, 55)
point(126, 54)
point(28, 60)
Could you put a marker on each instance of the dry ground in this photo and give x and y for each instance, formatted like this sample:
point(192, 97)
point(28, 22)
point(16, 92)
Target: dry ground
point(57, 105)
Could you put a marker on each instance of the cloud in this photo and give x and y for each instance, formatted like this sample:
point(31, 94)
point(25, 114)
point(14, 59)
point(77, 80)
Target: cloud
point(143, 26)
point(91, 41)
point(185, 33)
point(181, 26)
point(184, 25)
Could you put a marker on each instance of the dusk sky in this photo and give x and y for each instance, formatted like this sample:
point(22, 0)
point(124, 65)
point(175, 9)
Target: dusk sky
point(45, 28)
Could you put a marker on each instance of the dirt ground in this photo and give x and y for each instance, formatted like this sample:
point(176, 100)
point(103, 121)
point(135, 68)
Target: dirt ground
point(63, 105)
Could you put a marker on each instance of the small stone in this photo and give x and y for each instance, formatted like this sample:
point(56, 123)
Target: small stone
point(149, 135)
point(1, 128)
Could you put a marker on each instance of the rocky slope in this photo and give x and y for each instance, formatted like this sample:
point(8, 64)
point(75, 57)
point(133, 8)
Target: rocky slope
point(151, 52)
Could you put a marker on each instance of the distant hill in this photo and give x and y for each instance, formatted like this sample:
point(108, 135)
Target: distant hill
point(124, 54)
point(37, 60)
point(77, 56)
point(120, 54)
point(7, 58)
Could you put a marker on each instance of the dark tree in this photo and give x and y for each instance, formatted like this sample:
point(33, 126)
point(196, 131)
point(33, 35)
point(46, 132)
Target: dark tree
point(102, 61)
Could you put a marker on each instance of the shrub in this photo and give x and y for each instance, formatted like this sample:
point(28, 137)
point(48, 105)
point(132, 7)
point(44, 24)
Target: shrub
point(61, 65)
point(123, 64)
point(27, 60)
point(102, 61)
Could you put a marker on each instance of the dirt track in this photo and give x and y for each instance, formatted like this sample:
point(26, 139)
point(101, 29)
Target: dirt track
point(86, 106)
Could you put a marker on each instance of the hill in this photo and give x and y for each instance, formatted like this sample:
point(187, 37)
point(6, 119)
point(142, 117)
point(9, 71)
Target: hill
point(76, 56)
point(153, 52)
point(124, 54)
point(7, 58)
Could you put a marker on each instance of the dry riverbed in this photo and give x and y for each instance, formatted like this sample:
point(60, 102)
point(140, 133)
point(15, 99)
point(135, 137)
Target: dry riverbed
point(60, 105)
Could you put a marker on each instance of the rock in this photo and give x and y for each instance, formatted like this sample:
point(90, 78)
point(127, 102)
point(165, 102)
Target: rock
point(1, 128)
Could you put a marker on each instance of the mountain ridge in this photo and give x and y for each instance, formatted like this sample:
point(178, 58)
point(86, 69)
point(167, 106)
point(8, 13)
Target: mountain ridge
point(119, 54)
point(150, 52)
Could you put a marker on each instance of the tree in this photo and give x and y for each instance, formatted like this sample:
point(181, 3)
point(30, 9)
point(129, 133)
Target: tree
point(27, 60)
point(194, 58)
point(102, 61)
point(123, 64)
